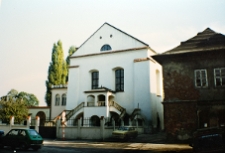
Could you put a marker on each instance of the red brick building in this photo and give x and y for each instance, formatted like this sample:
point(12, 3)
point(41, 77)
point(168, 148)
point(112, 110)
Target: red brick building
point(194, 83)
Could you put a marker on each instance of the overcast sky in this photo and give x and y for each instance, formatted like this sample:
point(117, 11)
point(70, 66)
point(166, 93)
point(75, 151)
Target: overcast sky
point(29, 28)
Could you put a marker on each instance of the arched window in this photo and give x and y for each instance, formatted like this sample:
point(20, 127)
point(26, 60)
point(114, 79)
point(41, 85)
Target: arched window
point(57, 100)
point(94, 80)
point(64, 100)
point(106, 47)
point(119, 79)
point(101, 100)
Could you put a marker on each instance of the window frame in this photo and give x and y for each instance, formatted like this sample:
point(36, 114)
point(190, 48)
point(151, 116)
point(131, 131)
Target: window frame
point(63, 100)
point(57, 100)
point(106, 47)
point(221, 77)
point(119, 80)
point(200, 78)
point(94, 80)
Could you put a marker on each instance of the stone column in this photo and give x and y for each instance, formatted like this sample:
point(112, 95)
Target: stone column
point(57, 127)
point(28, 121)
point(102, 124)
point(11, 122)
point(114, 124)
point(79, 128)
point(37, 123)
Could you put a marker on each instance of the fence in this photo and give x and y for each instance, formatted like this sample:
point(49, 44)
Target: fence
point(83, 128)
point(7, 127)
point(90, 128)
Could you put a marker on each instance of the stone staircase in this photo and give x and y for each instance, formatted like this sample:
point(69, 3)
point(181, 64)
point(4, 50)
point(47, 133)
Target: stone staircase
point(73, 111)
point(70, 113)
point(119, 108)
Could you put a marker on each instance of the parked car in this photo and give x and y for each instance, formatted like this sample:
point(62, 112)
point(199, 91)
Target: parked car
point(1, 133)
point(125, 132)
point(208, 140)
point(22, 138)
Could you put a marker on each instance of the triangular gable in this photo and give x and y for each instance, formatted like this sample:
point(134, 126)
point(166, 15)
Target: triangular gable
point(108, 35)
point(203, 41)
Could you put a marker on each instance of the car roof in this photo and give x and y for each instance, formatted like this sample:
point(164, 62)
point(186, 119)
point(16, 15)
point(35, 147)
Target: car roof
point(22, 129)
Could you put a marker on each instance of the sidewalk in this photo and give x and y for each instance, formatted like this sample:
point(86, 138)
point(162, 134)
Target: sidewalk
point(157, 138)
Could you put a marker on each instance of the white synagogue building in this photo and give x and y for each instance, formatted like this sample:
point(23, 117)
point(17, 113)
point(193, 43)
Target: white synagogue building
point(112, 75)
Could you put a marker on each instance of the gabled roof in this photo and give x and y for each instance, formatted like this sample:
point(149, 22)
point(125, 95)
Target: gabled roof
point(116, 29)
point(208, 40)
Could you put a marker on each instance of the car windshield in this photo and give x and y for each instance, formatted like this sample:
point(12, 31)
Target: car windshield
point(123, 128)
point(32, 132)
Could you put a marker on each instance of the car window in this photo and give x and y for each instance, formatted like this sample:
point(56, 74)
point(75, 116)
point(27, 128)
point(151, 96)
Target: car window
point(32, 132)
point(13, 132)
point(22, 133)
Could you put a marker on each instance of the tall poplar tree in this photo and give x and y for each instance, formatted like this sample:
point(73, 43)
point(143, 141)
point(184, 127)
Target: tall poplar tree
point(57, 71)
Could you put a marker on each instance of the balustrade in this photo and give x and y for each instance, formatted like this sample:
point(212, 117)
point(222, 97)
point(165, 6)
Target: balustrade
point(101, 103)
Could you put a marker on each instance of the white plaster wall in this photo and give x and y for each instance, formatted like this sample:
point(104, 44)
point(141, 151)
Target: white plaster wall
point(155, 98)
point(56, 110)
point(73, 92)
point(90, 132)
point(34, 112)
point(73, 88)
point(105, 64)
point(99, 111)
point(118, 41)
point(70, 132)
point(142, 89)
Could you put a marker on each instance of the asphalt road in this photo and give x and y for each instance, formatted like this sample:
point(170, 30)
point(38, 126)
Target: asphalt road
point(143, 144)
point(90, 147)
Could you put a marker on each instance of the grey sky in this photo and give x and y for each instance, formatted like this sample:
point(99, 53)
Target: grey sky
point(28, 29)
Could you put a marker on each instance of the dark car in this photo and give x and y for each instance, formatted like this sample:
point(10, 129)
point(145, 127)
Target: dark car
point(208, 140)
point(1, 133)
point(22, 138)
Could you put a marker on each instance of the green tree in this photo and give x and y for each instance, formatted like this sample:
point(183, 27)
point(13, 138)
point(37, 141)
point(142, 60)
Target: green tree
point(72, 50)
point(28, 98)
point(13, 107)
point(57, 71)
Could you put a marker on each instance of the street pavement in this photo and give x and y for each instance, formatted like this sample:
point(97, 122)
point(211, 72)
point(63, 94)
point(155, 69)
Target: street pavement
point(144, 143)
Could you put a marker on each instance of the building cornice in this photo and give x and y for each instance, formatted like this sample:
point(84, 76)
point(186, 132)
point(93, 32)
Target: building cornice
point(74, 66)
point(113, 52)
point(144, 59)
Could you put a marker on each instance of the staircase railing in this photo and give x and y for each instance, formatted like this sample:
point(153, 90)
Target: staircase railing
point(119, 108)
point(73, 111)
point(135, 112)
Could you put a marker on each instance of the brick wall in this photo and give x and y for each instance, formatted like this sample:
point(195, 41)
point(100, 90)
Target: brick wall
point(180, 117)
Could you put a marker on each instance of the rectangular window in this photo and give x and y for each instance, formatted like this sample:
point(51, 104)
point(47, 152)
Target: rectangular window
point(94, 80)
point(201, 78)
point(119, 80)
point(219, 77)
